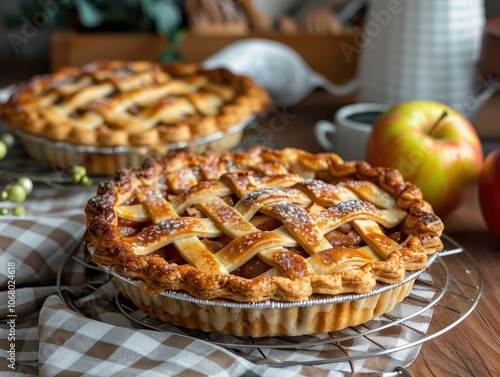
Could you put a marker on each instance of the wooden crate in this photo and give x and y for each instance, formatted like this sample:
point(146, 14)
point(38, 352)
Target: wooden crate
point(69, 48)
point(324, 54)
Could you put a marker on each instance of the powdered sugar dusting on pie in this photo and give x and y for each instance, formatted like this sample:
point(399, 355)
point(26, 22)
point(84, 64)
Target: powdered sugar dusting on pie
point(243, 215)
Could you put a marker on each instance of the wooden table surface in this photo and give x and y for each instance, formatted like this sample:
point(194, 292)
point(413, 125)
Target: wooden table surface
point(471, 348)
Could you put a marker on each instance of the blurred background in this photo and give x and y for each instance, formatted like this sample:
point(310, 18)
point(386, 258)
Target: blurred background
point(38, 47)
point(417, 38)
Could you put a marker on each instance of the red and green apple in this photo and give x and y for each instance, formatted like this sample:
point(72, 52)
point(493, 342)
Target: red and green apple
point(433, 146)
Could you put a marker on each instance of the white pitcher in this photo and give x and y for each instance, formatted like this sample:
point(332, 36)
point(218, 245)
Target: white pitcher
point(410, 49)
point(421, 49)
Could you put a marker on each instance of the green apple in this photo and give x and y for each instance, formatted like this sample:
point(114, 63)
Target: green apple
point(433, 146)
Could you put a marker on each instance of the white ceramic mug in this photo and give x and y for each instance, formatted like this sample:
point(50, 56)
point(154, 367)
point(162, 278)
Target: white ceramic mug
point(348, 134)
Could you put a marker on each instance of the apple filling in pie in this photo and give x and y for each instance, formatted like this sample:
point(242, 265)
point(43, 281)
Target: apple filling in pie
point(282, 225)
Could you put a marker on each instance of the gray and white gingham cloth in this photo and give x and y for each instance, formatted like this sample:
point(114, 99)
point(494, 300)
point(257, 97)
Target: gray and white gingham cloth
point(98, 340)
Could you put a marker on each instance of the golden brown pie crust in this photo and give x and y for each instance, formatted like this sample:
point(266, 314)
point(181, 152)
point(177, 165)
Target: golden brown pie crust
point(261, 225)
point(294, 320)
point(130, 104)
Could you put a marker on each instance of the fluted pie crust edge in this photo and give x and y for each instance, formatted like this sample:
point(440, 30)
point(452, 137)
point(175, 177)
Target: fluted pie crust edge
point(256, 322)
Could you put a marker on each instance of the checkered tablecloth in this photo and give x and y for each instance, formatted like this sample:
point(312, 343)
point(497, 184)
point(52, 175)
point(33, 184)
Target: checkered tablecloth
point(47, 338)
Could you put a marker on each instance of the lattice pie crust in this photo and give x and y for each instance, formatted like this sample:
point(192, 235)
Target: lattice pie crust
point(282, 225)
point(132, 104)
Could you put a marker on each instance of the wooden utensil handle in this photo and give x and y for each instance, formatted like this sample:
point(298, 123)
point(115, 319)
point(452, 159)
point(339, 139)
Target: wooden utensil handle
point(256, 19)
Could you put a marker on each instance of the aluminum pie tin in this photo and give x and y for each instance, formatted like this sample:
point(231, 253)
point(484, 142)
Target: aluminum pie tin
point(270, 304)
point(135, 149)
point(106, 160)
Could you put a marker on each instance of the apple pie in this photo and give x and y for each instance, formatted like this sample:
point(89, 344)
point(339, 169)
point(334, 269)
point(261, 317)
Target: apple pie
point(98, 114)
point(280, 226)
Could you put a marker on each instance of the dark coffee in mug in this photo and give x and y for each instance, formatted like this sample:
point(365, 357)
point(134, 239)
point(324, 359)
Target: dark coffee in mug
point(348, 133)
point(367, 117)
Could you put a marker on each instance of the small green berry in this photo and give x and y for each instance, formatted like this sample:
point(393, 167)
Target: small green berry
point(19, 211)
point(8, 139)
point(79, 170)
point(86, 181)
point(4, 211)
point(4, 195)
point(79, 175)
point(17, 194)
point(76, 178)
point(26, 183)
point(3, 149)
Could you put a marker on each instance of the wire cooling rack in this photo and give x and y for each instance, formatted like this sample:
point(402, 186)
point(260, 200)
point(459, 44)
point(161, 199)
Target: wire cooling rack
point(450, 289)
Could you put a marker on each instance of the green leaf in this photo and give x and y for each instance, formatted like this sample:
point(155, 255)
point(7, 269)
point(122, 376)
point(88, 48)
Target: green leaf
point(148, 8)
point(166, 16)
point(90, 16)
